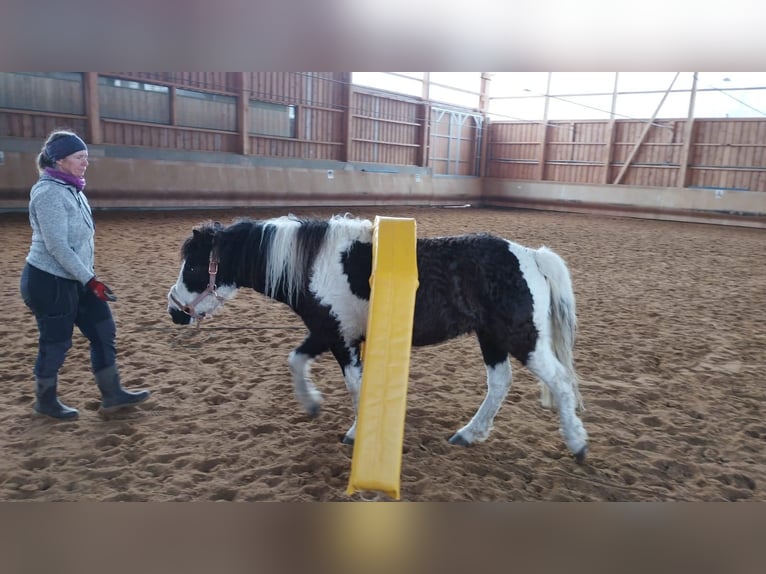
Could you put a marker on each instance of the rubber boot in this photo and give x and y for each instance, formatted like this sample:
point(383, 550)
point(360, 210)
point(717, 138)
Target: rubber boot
point(113, 396)
point(47, 402)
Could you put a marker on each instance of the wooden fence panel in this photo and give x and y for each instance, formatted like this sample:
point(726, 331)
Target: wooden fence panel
point(167, 137)
point(384, 130)
point(729, 154)
point(724, 154)
point(37, 126)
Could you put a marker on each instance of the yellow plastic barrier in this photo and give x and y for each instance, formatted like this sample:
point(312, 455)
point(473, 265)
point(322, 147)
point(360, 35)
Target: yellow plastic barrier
point(377, 460)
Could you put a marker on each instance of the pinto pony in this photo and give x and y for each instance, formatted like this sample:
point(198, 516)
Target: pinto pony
point(518, 301)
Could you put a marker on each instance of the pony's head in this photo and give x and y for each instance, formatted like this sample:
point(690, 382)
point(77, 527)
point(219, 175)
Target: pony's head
point(198, 293)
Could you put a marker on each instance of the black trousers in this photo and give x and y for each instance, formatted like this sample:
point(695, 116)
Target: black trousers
point(58, 305)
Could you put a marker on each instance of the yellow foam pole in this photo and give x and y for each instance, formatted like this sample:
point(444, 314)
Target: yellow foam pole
point(376, 463)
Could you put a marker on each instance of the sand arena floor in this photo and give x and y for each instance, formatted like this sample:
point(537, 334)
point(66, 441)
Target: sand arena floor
point(670, 353)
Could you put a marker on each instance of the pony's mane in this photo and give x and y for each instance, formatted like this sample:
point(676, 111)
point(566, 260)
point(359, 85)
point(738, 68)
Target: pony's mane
point(293, 244)
point(281, 251)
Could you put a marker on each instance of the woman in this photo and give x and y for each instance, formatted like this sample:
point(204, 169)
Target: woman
point(58, 282)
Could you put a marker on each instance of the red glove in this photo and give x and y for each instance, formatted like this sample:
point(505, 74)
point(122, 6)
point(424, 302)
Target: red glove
point(101, 290)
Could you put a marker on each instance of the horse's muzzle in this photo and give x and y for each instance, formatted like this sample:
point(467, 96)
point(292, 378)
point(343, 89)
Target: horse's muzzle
point(179, 317)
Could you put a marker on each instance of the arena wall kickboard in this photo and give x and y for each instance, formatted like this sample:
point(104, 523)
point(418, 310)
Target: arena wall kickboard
point(377, 458)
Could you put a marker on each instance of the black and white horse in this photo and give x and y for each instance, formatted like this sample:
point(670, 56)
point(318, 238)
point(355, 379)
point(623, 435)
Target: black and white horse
point(518, 301)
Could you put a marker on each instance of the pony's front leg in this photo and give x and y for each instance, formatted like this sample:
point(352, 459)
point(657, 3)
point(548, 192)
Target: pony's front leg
point(351, 365)
point(299, 362)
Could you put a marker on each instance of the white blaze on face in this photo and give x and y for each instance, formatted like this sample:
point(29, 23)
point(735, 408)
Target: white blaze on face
point(179, 291)
point(208, 305)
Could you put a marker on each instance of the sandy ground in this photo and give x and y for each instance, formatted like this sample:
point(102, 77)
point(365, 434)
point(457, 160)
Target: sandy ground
point(670, 352)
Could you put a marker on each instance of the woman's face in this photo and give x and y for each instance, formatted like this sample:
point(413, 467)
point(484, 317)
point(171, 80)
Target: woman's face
point(74, 164)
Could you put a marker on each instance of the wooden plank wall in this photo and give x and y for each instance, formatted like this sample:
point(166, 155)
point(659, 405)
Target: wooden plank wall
point(175, 135)
point(723, 153)
point(37, 125)
point(335, 121)
point(384, 130)
point(729, 154)
point(299, 115)
point(318, 98)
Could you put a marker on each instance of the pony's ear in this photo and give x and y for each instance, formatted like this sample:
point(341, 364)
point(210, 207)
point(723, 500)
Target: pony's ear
point(207, 229)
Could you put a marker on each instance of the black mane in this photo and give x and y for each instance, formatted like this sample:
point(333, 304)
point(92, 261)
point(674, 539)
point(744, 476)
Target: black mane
point(247, 247)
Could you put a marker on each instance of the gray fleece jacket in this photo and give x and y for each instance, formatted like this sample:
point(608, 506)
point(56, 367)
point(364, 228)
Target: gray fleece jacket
point(62, 230)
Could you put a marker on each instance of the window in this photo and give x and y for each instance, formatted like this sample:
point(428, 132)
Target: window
point(57, 92)
point(272, 119)
point(134, 101)
point(202, 110)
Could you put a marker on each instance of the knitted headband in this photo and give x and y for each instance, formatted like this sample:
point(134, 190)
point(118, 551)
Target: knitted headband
point(64, 146)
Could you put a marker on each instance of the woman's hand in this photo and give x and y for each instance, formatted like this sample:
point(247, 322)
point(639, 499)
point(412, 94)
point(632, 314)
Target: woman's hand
point(101, 290)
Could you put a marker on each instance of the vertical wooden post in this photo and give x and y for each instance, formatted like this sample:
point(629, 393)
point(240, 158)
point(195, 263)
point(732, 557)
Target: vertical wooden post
point(542, 152)
point(92, 108)
point(687, 150)
point(425, 128)
point(484, 149)
point(486, 77)
point(348, 122)
point(173, 97)
point(610, 133)
point(425, 134)
point(243, 113)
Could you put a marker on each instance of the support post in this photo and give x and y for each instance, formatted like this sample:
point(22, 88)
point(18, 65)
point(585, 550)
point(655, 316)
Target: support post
point(243, 113)
point(542, 152)
point(348, 123)
point(647, 127)
point(687, 151)
point(92, 108)
point(610, 132)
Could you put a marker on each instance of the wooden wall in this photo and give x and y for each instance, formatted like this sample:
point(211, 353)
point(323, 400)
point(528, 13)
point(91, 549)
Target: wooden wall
point(322, 116)
point(384, 130)
point(297, 115)
point(725, 154)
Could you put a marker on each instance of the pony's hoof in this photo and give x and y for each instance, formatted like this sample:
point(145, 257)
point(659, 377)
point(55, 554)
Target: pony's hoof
point(458, 439)
point(314, 411)
point(345, 440)
point(579, 456)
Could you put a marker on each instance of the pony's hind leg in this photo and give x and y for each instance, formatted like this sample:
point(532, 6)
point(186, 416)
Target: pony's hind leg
point(543, 363)
point(499, 378)
point(299, 362)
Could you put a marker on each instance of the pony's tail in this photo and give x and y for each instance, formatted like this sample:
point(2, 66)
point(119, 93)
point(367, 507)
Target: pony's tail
point(563, 317)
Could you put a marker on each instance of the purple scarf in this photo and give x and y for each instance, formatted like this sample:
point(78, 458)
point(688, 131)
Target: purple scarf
point(78, 182)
